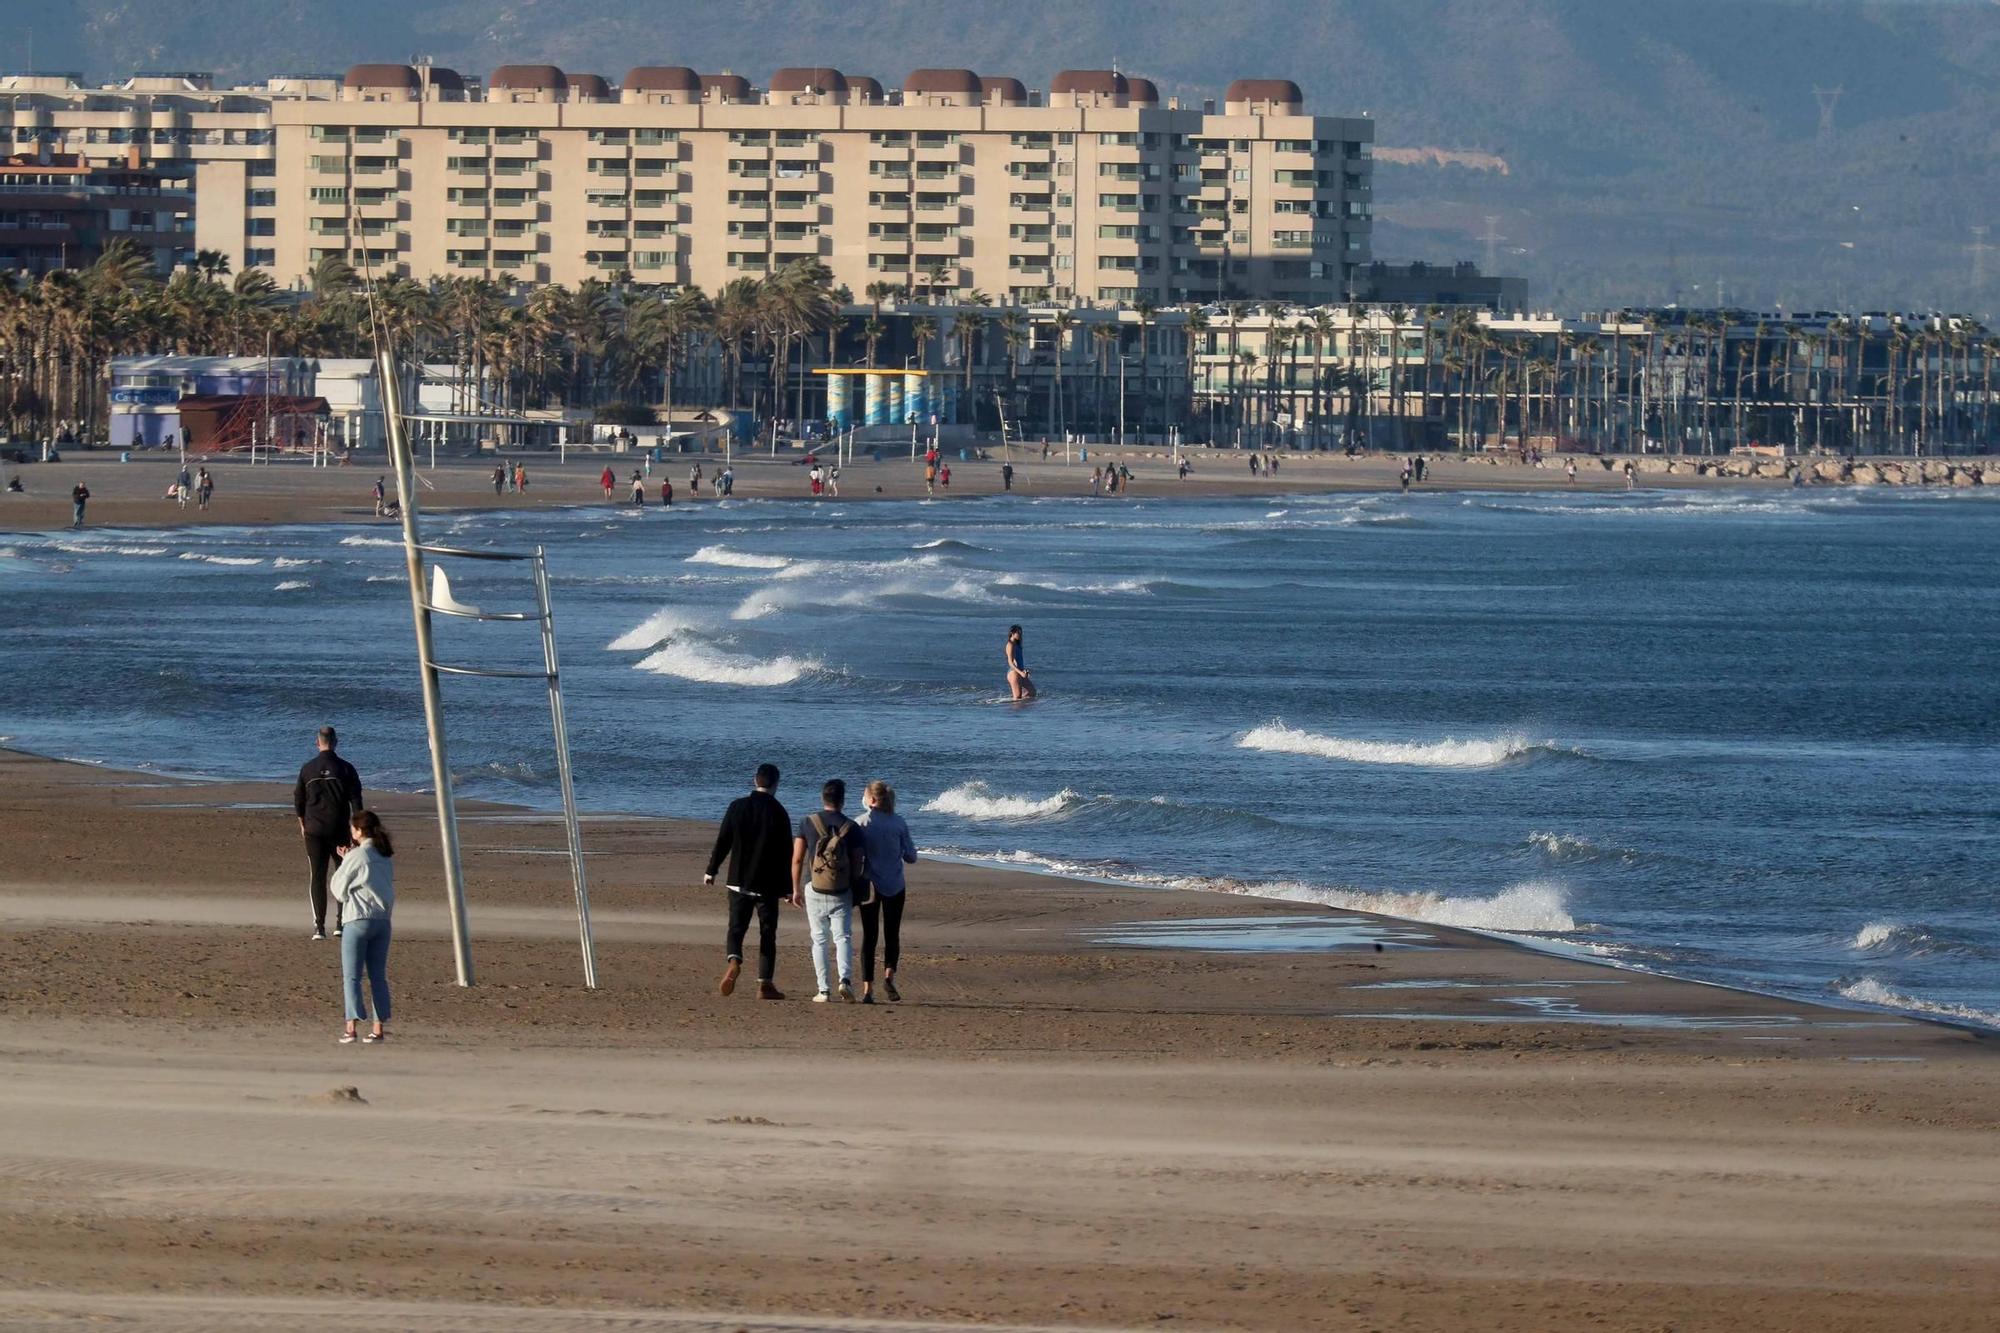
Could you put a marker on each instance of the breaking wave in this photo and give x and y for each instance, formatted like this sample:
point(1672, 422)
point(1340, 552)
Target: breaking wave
point(975, 800)
point(651, 632)
point(369, 541)
point(236, 560)
point(722, 555)
point(693, 661)
point(1870, 991)
point(1575, 847)
point(287, 562)
point(1914, 940)
point(291, 585)
point(1492, 752)
point(91, 548)
point(950, 544)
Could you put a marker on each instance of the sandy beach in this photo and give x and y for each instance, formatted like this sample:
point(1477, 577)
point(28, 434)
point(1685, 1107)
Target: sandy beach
point(129, 494)
point(1063, 1124)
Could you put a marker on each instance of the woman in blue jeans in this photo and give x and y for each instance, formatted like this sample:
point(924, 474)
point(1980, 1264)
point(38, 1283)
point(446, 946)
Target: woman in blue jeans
point(365, 888)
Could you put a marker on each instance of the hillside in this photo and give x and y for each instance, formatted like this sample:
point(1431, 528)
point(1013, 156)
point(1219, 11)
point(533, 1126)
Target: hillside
point(1649, 150)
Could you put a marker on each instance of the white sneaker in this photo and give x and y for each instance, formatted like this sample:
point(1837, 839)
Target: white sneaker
point(318, 934)
point(847, 991)
point(336, 932)
point(820, 998)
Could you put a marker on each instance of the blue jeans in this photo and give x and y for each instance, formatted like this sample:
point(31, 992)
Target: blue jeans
point(365, 943)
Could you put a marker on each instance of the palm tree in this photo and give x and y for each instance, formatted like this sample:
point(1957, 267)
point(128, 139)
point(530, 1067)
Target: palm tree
point(872, 330)
point(1062, 323)
point(1146, 310)
point(1194, 331)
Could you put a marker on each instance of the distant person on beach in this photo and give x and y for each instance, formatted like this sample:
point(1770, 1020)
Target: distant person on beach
point(79, 496)
point(1406, 476)
point(638, 488)
point(726, 482)
point(667, 492)
point(1253, 465)
point(1272, 464)
point(364, 889)
point(521, 478)
point(886, 847)
point(1019, 682)
point(183, 487)
point(1096, 480)
point(833, 482)
point(694, 481)
point(756, 836)
point(827, 866)
point(500, 481)
point(1183, 469)
point(325, 798)
point(1007, 475)
point(944, 476)
point(607, 481)
point(204, 488)
point(930, 473)
point(1631, 474)
point(1045, 451)
point(814, 482)
point(1570, 469)
point(1420, 465)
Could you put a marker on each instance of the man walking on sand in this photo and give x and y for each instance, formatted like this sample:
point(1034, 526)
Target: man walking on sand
point(325, 799)
point(828, 861)
point(79, 496)
point(756, 836)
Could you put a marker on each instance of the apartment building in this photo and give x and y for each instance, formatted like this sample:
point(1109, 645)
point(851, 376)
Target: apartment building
point(1095, 190)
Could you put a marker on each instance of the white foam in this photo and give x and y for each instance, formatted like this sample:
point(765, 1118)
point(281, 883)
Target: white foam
point(1491, 752)
point(1141, 586)
point(653, 630)
point(291, 585)
point(693, 661)
point(722, 555)
point(369, 541)
point(89, 548)
point(1534, 907)
point(975, 800)
point(1876, 934)
point(286, 562)
point(236, 560)
point(1870, 991)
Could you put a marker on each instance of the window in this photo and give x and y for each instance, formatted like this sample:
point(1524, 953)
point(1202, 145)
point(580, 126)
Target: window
point(610, 136)
point(750, 136)
point(652, 258)
point(329, 194)
point(744, 166)
point(260, 198)
point(882, 138)
point(605, 198)
point(936, 138)
point(462, 135)
point(747, 259)
point(260, 258)
point(893, 231)
point(1125, 203)
point(1292, 145)
point(512, 258)
point(326, 164)
point(260, 227)
point(465, 226)
point(886, 199)
point(651, 166)
point(652, 229)
point(1125, 140)
point(516, 136)
point(797, 138)
point(880, 167)
point(652, 137)
point(329, 134)
point(513, 228)
point(473, 165)
point(750, 198)
point(654, 199)
point(514, 198)
point(1031, 140)
point(260, 169)
point(607, 166)
point(607, 227)
point(466, 195)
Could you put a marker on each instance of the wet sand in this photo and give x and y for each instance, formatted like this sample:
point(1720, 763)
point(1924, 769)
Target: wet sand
point(129, 494)
point(1062, 1125)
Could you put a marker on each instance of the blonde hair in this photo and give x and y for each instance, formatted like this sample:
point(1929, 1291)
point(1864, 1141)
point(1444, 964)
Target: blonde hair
point(883, 795)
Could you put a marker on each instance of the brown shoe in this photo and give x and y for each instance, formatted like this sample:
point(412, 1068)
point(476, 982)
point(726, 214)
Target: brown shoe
point(766, 991)
point(729, 975)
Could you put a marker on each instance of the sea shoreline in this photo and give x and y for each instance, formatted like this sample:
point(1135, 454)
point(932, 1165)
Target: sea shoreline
point(130, 495)
point(1566, 951)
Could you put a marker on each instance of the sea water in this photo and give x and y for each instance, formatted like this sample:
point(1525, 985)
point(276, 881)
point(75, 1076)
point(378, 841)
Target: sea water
point(1750, 737)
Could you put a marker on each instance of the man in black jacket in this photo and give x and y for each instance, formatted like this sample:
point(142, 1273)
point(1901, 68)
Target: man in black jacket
point(327, 795)
point(756, 836)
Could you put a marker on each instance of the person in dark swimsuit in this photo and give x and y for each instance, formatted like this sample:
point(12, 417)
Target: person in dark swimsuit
point(1018, 680)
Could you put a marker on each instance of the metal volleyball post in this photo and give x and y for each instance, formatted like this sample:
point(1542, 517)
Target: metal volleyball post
point(420, 612)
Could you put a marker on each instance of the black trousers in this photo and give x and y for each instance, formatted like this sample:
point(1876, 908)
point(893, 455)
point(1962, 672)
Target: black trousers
point(319, 859)
point(742, 906)
point(881, 919)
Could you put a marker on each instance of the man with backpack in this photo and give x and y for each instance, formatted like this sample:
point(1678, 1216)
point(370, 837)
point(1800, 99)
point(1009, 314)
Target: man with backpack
point(325, 799)
point(829, 870)
point(753, 835)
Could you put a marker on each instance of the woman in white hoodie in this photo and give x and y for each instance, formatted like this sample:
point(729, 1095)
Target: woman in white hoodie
point(365, 888)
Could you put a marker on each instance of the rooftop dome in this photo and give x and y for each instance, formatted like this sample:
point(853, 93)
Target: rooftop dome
point(1089, 81)
point(862, 89)
point(942, 83)
point(663, 79)
point(1282, 91)
point(382, 76)
point(818, 79)
point(730, 87)
point(1009, 90)
point(528, 78)
point(589, 88)
point(448, 79)
point(1142, 91)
